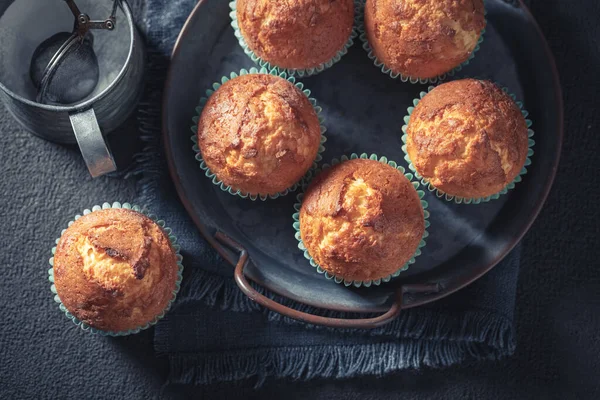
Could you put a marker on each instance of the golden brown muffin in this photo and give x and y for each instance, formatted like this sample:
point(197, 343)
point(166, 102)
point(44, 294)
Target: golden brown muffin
point(115, 269)
point(423, 38)
point(296, 34)
point(361, 220)
point(259, 134)
point(467, 138)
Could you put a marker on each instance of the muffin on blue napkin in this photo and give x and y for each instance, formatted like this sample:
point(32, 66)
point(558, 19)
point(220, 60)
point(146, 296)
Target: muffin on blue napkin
point(115, 270)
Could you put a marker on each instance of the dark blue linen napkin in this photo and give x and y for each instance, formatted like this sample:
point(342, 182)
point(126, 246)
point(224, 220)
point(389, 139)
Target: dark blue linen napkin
point(214, 333)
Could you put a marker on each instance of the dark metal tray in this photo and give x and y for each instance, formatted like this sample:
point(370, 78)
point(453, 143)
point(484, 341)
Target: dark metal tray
point(364, 112)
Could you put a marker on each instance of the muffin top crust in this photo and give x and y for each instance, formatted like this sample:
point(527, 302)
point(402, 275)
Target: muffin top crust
point(468, 138)
point(259, 134)
point(361, 220)
point(115, 269)
point(423, 38)
point(297, 34)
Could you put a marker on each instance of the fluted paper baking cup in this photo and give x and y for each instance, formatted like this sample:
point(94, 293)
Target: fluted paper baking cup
point(211, 175)
point(404, 78)
point(172, 238)
point(465, 200)
point(303, 72)
point(339, 279)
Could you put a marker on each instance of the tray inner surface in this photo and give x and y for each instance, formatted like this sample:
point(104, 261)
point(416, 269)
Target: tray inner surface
point(364, 111)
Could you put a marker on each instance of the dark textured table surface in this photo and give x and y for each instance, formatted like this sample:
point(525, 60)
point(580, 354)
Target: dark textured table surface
point(42, 185)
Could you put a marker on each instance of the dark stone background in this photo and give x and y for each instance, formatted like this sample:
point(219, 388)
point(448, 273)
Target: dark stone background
point(42, 185)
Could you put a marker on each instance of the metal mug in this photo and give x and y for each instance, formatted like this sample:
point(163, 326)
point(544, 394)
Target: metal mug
point(24, 24)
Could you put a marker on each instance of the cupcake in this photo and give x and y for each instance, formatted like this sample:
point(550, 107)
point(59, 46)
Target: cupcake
point(297, 34)
point(467, 138)
point(423, 39)
point(361, 221)
point(115, 270)
point(259, 134)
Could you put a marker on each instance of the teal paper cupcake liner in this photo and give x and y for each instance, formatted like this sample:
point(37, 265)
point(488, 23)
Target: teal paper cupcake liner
point(294, 72)
point(340, 280)
point(379, 64)
point(213, 176)
point(464, 200)
point(172, 238)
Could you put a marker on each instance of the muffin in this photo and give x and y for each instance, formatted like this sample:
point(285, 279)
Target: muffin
point(259, 134)
point(115, 270)
point(468, 138)
point(297, 34)
point(361, 220)
point(423, 38)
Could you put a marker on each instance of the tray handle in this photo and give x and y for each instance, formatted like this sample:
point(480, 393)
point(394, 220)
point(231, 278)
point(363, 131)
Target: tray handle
point(362, 323)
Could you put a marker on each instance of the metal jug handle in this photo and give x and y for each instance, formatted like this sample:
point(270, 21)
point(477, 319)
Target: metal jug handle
point(94, 149)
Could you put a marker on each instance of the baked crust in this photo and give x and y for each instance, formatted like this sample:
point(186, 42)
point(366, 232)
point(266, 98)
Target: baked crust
point(468, 138)
point(295, 34)
point(259, 133)
point(361, 220)
point(115, 269)
point(423, 38)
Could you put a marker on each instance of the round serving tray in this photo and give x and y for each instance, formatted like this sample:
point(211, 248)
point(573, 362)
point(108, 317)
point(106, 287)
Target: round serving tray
point(364, 111)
